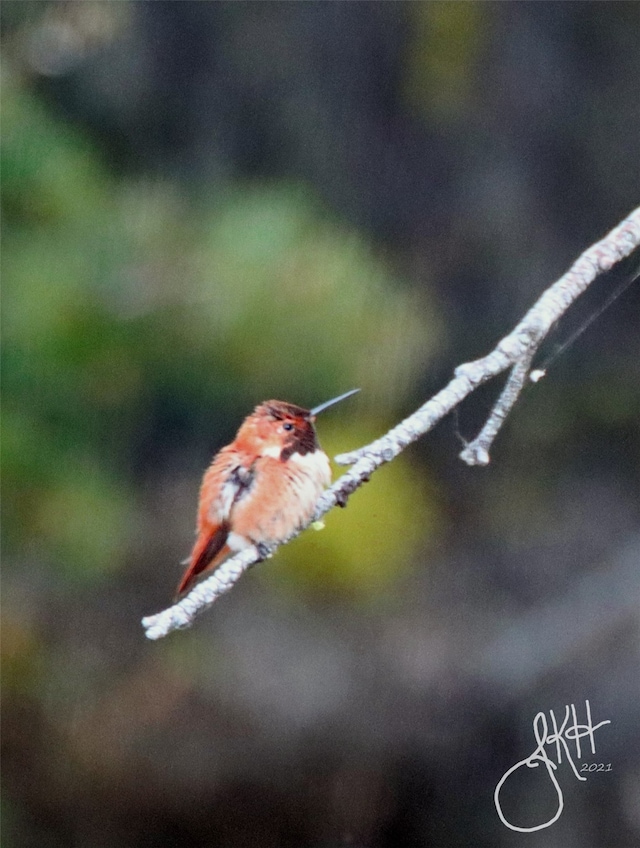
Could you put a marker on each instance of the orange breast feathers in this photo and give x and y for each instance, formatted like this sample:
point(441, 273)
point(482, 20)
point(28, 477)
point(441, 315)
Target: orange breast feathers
point(247, 500)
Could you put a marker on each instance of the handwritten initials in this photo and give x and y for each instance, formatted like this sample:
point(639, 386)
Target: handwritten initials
point(560, 737)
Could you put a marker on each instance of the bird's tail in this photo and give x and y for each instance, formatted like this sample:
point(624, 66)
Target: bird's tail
point(208, 552)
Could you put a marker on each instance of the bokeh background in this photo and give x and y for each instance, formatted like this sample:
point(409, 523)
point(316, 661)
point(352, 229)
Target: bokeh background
point(210, 204)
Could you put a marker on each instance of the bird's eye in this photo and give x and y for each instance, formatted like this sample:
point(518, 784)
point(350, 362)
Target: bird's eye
point(287, 426)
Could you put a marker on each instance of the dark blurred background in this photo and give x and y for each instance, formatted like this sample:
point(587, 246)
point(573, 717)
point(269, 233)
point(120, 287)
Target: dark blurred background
point(210, 204)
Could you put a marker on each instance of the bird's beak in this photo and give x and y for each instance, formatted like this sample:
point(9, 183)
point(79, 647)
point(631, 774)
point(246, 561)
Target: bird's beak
point(318, 409)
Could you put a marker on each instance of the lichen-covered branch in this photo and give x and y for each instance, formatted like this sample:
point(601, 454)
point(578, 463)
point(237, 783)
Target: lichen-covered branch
point(515, 351)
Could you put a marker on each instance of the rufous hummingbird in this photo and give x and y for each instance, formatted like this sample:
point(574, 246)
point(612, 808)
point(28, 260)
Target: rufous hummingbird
point(262, 487)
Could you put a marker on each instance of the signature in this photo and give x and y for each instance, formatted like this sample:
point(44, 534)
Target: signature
point(560, 737)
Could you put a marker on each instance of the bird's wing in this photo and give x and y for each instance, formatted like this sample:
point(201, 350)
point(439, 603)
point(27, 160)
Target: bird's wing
point(239, 480)
point(213, 519)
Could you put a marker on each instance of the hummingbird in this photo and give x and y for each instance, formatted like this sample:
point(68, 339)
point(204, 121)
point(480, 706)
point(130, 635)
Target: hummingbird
point(262, 487)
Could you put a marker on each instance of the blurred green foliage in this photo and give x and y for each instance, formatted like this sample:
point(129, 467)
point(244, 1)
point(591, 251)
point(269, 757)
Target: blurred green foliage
point(442, 57)
point(136, 318)
point(62, 240)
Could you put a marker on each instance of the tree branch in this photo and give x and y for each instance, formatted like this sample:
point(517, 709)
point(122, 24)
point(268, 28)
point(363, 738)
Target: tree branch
point(477, 451)
point(515, 351)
